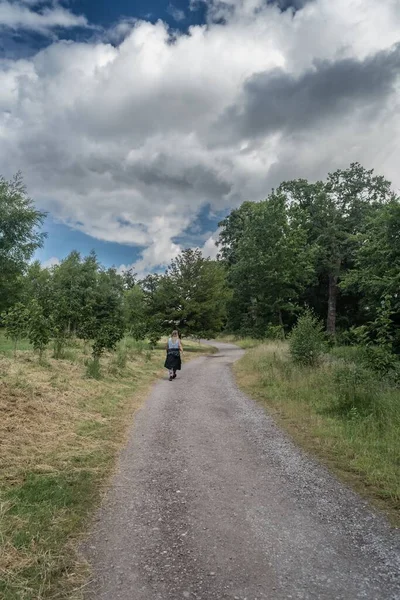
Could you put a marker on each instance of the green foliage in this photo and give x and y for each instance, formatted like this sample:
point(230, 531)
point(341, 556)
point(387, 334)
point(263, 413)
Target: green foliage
point(307, 340)
point(154, 336)
point(190, 296)
point(275, 332)
point(19, 237)
point(16, 323)
point(135, 312)
point(273, 266)
point(39, 328)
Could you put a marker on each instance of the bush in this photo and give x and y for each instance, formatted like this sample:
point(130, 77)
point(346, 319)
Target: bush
point(381, 359)
point(93, 370)
point(307, 340)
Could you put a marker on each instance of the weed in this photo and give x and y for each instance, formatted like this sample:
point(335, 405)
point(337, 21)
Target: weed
point(93, 368)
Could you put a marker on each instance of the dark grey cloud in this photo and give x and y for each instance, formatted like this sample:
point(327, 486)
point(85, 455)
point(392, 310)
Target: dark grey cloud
point(278, 101)
point(163, 172)
point(285, 4)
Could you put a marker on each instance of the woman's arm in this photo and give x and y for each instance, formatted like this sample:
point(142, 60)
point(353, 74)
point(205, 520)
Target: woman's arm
point(180, 346)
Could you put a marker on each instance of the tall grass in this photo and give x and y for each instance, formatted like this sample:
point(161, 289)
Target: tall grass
point(338, 409)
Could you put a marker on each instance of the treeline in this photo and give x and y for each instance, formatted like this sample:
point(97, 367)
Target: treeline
point(81, 299)
point(332, 247)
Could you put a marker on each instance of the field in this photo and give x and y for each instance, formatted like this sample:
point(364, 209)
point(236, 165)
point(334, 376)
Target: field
point(60, 432)
point(339, 411)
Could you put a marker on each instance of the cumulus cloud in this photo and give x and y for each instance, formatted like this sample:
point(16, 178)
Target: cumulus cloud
point(21, 15)
point(127, 141)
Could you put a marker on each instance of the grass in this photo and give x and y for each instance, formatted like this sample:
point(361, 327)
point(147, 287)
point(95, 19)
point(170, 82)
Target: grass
point(60, 433)
point(339, 411)
point(243, 342)
point(7, 345)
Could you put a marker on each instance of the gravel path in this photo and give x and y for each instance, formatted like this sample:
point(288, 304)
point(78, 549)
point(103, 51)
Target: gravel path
point(211, 501)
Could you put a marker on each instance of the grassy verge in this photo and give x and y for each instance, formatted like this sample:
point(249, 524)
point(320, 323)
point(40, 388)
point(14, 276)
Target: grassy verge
point(60, 432)
point(245, 343)
point(339, 411)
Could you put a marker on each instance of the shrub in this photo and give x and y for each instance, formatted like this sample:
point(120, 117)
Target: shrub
point(381, 359)
point(93, 368)
point(306, 342)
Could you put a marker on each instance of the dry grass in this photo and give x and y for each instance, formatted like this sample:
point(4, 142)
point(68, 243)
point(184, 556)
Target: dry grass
point(59, 435)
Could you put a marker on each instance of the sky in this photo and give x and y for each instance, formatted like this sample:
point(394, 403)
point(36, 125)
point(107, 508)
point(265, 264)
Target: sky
point(138, 125)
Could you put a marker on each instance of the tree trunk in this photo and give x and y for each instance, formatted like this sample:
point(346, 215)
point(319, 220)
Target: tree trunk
point(332, 302)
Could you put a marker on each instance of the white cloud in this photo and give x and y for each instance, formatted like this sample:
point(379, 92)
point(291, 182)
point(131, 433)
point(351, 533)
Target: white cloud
point(19, 15)
point(210, 249)
point(50, 262)
point(128, 142)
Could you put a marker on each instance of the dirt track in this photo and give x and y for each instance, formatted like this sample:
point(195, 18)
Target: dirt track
point(213, 501)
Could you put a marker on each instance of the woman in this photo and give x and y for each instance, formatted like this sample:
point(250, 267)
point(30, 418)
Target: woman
point(174, 349)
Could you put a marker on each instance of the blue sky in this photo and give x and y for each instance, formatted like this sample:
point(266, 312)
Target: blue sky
point(138, 125)
point(61, 239)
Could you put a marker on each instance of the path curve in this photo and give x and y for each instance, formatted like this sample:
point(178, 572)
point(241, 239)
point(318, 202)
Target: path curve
point(212, 500)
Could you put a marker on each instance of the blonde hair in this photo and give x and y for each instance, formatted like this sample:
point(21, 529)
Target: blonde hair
point(175, 333)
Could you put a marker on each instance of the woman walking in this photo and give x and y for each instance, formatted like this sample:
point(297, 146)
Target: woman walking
point(174, 349)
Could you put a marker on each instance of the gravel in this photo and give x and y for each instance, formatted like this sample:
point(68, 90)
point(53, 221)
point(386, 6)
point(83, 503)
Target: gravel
point(212, 500)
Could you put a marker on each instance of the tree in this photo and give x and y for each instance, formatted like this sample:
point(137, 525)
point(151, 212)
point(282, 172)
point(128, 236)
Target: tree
point(135, 312)
point(105, 319)
point(37, 284)
point(19, 236)
point(39, 328)
point(73, 281)
point(375, 274)
point(231, 232)
point(191, 295)
point(333, 212)
point(273, 264)
point(16, 323)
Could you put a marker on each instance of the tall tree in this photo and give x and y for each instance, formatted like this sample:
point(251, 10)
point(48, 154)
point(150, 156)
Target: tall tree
point(193, 294)
point(333, 211)
point(375, 274)
point(231, 232)
point(20, 223)
point(273, 263)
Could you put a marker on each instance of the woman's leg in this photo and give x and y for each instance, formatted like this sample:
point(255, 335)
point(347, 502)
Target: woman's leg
point(174, 373)
point(171, 374)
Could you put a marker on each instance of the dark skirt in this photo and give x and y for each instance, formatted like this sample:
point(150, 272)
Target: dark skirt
point(173, 360)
